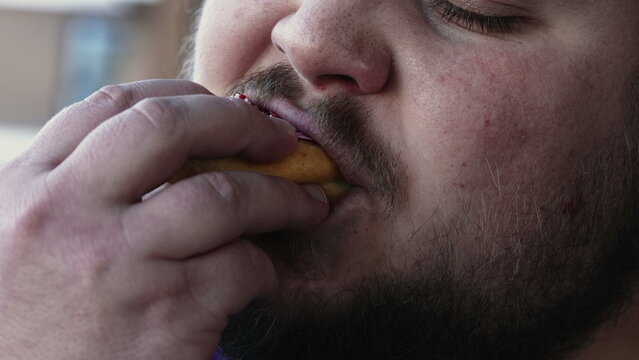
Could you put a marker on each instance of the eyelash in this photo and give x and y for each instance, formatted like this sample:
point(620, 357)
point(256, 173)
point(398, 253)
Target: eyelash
point(477, 22)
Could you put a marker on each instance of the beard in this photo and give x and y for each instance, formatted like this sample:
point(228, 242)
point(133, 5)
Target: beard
point(568, 267)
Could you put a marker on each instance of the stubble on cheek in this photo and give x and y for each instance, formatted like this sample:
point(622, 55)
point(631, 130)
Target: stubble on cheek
point(572, 246)
point(524, 163)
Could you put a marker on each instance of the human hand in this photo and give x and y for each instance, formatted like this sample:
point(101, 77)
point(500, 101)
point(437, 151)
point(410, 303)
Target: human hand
point(90, 271)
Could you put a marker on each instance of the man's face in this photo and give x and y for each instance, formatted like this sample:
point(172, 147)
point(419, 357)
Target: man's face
point(492, 149)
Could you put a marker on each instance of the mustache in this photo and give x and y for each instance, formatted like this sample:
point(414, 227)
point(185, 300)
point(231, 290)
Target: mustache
point(343, 122)
point(279, 80)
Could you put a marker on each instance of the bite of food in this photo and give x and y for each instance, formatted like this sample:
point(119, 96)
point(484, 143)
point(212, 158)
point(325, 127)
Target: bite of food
point(307, 164)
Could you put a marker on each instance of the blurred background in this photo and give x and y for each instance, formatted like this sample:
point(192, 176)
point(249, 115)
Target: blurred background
point(57, 52)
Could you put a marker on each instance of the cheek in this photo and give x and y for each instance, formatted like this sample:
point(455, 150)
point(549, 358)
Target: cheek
point(232, 39)
point(479, 121)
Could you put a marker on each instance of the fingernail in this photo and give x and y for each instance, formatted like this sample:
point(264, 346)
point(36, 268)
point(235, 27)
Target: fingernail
point(316, 193)
point(285, 126)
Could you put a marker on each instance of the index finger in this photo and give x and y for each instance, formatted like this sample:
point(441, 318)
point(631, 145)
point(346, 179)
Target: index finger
point(62, 134)
point(143, 147)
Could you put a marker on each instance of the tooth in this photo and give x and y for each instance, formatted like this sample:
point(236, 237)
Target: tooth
point(242, 97)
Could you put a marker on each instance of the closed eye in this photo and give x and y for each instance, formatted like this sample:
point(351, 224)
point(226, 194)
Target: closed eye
point(480, 23)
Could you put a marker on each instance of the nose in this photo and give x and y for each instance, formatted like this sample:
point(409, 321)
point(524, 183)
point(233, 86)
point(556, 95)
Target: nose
point(335, 43)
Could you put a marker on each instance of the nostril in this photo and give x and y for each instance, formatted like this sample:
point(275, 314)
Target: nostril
point(340, 77)
point(324, 81)
point(335, 78)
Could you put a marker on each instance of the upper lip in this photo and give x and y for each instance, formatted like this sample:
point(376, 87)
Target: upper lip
point(305, 122)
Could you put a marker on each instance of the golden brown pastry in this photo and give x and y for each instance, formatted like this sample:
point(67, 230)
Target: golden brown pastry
point(307, 164)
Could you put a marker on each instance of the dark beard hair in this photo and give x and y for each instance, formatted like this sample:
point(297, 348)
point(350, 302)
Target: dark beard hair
point(436, 312)
point(435, 318)
point(576, 273)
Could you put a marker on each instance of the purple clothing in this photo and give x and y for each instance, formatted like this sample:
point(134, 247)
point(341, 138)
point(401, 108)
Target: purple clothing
point(218, 356)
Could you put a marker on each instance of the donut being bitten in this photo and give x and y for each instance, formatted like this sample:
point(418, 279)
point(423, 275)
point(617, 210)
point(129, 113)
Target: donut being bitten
point(307, 164)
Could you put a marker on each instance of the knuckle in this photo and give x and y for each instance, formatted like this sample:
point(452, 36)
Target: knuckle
point(29, 218)
point(224, 189)
point(86, 264)
point(161, 114)
point(122, 96)
point(201, 297)
point(253, 256)
point(35, 226)
point(153, 108)
point(89, 263)
point(256, 263)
